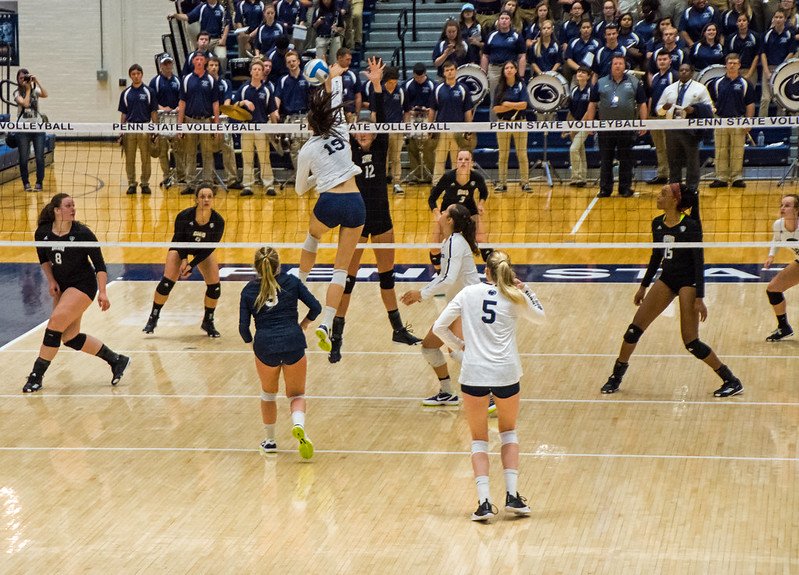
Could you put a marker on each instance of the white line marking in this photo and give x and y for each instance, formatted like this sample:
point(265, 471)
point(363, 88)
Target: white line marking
point(585, 215)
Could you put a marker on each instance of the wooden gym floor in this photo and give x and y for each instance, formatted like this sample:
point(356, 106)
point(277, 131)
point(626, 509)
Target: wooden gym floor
point(162, 473)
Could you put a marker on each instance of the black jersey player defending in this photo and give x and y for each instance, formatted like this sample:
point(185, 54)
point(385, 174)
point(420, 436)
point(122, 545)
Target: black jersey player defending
point(75, 276)
point(682, 277)
point(201, 224)
point(369, 152)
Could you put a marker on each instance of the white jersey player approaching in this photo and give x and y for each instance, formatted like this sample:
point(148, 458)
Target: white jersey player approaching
point(491, 365)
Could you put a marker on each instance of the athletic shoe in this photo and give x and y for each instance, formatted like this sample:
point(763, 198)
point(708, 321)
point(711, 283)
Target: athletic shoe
point(398, 190)
point(500, 188)
point(492, 407)
point(717, 184)
point(527, 188)
point(627, 194)
point(779, 334)
point(187, 191)
point(335, 349)
point(405, 336)
point(145, 190)
point(612, 385)
point(246, 192)
point(268, 446)
point(38, 188)
point(729, 388)
point(270, 191)
point(306, 447)
point(441, 398)
point(210, 328)
point(34, 383)
point(131, 190)
point(516, 504)
point(324, 338)
point(738, 184)
point(152, 322)
point(233, 185)
point(166, 183)
point(119, 367)
point(28, 188)
point(485, 511)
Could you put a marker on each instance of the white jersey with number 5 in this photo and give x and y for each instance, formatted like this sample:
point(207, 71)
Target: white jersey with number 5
point(490, 356)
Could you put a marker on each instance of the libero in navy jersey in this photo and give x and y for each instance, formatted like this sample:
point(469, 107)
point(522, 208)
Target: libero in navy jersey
point(369, 152)
point(279, 342)
point(202, 225)
point(75, 275)
point(682, 277)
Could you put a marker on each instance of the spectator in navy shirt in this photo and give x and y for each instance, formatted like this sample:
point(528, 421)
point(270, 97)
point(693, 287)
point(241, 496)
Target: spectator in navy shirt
point(502, 45)
point(203, 44)
point(450, 46)
point(778, 46)
point(578, 106)
point(289, 12)
point(137, 105)
point(545, 56)
point(510, 104)
point(662, 79)
point(224, 144)
point(571, 27)
point(609, 16)
point(213, 18)
point(166, 87)
point(728, 22)
point(249, 15)
point(657, 38)
point(646, 26)
point(418, 108)
point(292, 98)
point(452, 103)
point(267, 33)
point(670, 47)
point(393, 96)
point(708, 51)
point(581, 51)
point(694, 20)
point(746, 44)
point(350, 84)
point(636, 51)
point(605, 55)
point(328, 34)
point(471, 33)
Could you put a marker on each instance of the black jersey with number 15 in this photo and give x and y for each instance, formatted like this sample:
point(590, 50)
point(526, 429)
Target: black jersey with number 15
point(688, 263)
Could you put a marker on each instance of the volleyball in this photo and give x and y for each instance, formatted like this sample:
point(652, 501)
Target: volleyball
point(316, 72)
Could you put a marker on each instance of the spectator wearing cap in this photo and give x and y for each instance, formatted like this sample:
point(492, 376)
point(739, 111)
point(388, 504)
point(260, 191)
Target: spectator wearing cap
point(502, 45)
point(393, 106)
point(452, 103)
point(214, 19)
point(450, 46)
point(778, 46)
point(166, 87)
point(266, 35)
point(471, 33)
point(203, 47)
point(137, 105)
point(199, 104)
point(249, 15)
point(418, 108)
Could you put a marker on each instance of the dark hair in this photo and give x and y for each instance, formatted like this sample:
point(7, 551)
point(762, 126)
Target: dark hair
point(448, 64)
point(204, 33)
point(658, 34)
point(732, 56)
point(282, 42)
point(612, 25)
point(341, 52)
point(201, 188)
point(390, 73)
point(322, 115)
point(462, 222)
point(708, 25)
point(133, 68)
point(503, 84)
point(47, 215)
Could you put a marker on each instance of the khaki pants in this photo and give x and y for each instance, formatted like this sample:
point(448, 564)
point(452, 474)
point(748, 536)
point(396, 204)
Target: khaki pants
point(243, 41)
point(446, 145)
point(494, 76)
point(579, 163)
point(766, 96)
point(659, 141)
point(327, 47)
point(729, 154)
point(225, 147)
point(354, 24)
point(131, 143)
point(250, 144)
point(208, 146)
point(176, 145)
point(394, 165)
point(520, 142)
point(221, 52)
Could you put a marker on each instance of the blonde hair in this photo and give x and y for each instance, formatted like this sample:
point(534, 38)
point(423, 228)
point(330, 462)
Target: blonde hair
point(539, 41)
point(504, 277)
point(267, 262)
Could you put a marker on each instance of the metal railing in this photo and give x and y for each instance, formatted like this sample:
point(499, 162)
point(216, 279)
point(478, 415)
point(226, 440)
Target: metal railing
point(402, 29)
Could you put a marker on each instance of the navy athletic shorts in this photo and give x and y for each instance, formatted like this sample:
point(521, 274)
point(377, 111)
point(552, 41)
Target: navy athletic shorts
point(345, 210)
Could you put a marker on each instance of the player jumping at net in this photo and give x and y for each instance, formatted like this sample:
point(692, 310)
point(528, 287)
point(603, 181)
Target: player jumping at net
point(369, 152)
point(786, 228)
point(75, 276)
point(201, 224)
point(682, 277)
point(325, 161)
point(491, 366)
point(279, 343)
point(457, 271)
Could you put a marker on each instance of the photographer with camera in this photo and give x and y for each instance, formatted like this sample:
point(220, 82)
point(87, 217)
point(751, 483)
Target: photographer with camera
point(27, 96)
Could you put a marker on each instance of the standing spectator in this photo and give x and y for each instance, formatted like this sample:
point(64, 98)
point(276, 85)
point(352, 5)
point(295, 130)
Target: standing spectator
point(582, 50)
point(248, 17)
point(354, 25)
point(225, 142)
point(278, 55)
point(686, 98)
point(199, 104)
point(267, 33)
point(545, 54)
point(291, 97)
point(734, 97)
point(708, 51)
point(471, 33)
point(694, 19)
point(607, 53)
point(419, 108)
point(452, 103)
point(511, 103)
point(658, 82)
point(213, 19)
point(571, 27)
point(502, 45)
point(532, 31)
point(778, 46)
point(29, 90)
point(289, 13)
point(393, 97)
point(203, 45)
point(138, 106)
point(609, 17)
point(618, 96)
point(579, 99)
point(728, 22)
point(636, 50)
point(328, 33)
point(351, 86)
point(746, 44)
point(646, 26)
point(657, 38)
point(450, 46)
point(166, 87)
point(669, 47)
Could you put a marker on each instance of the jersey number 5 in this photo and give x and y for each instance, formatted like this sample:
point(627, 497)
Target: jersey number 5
point(489, 313)
point(335, 145)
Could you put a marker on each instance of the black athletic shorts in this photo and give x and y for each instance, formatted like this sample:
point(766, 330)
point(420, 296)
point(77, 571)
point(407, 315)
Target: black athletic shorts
point(87, 286)
point(376, 223)
point(502, 392)
point(277, 359)
point(676, 282)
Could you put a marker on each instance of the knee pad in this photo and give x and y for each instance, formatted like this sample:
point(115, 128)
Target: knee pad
point(485, 252)
point(435, 357)
point(311, 244)
point(479, 447)
point(76, 342)
point(165, 286)
point(633, 333)
point(52, 338)
point(435, 259)
point(775, 297)
point(339, 278)
point(507, 437)
point(386, 279)
point(268, 396)
point(213, 291)
point(698, 349)
point(350, 284)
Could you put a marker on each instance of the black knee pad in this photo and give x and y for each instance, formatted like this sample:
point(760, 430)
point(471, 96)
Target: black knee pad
point(213, 291)
point(76, 342)
point(633, 333)
point(52, 338)
point(349, 284)
point(386, 279)
point(698, 349)
point(775, 297)
point(485, 252)
point(435, 259)
point(165, 286)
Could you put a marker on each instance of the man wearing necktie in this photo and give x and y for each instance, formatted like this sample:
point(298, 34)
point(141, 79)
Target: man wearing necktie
point(685, 98)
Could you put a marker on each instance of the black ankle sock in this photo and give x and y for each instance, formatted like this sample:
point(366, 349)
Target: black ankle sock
point(782, 321)
point(209, 314)
point(620, 368)
point(156, 311)
point(724, 373)
point(395, 319)
point(338, 326)
point(39, 367)
point(107, 355)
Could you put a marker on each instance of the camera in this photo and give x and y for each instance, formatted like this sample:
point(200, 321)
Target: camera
point(26, 78)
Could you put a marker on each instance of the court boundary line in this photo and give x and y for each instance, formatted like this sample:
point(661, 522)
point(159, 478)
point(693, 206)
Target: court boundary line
point(583, 217)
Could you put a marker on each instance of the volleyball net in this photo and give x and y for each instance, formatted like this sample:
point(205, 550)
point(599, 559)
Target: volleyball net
point(539, 209)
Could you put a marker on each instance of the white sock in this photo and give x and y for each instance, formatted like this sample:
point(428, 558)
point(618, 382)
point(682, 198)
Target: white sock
point(269, 430)
point(482, 488)
point(303, 276)
point(445, 385)
point(511, 481)
point(298, 418)
point(328, 313)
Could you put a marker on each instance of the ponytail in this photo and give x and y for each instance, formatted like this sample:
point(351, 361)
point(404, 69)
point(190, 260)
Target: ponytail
point(267, 264)
point(462, 222)
point(47, 215)
point(504, 277)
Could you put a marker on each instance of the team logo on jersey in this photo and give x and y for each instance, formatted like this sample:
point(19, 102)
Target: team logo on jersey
point(211, 225)
point(682, 228)
point(72, 238)
point(492, 292)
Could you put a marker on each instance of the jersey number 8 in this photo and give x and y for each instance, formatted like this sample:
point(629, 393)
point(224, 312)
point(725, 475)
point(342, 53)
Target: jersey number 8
point(57, 258)
point(489, 314)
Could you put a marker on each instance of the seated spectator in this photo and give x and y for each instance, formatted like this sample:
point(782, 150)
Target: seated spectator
point(471, 33)
point(571, 26)
point(544, 56)
point(606, 53)
point(729, 18)
point(694, 19)
point(610, 16)
point(249, 14)
point(646, 26)
point(707, 51)
point(636, 51)
point(214, 20)
point(746, 44)
point(267, 33)
point(582, 50)
point(203, 47)
point(450, 46)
